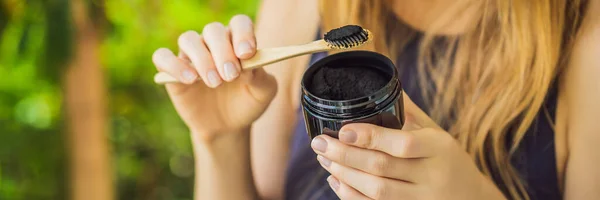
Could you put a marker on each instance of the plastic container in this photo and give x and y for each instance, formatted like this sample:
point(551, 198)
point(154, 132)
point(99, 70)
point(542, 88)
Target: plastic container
point(383, 107)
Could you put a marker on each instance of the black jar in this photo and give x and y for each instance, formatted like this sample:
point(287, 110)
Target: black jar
point(383, 107)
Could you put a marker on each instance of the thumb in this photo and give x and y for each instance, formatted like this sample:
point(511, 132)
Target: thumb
point(415, 118)
point(261, 85)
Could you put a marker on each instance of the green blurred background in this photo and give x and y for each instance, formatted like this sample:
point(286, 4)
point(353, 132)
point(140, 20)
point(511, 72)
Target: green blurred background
point(150, 155)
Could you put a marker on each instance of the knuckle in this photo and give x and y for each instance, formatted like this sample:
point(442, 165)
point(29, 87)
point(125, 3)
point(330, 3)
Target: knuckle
point(212, 27)
point(205, 62)
point(240, 18)
point(372, 138)
point(408, 145)
point(160, 54)
point(342, 155)
point(379, 164)
point(337, 171)
point(187, 37)
point(381, 190)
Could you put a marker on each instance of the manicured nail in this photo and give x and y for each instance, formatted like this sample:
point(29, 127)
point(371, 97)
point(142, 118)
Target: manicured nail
point(319, 144)
point(231, 72)
point(244, 48)
point(213, 78)
point(189, 76)
point(333, 183)
point(324, 161)
point(348, 136)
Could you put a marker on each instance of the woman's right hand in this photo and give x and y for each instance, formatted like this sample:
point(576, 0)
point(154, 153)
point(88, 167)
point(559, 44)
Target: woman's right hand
point(227, 99)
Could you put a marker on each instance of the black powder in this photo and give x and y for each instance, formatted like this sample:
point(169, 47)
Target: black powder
point(347, 36)
point(344, 83)
point(343, 32)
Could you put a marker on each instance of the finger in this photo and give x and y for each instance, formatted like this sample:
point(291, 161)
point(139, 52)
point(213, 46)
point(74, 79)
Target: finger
point(415, 117)
point(242, 36)
point(166, 61)
point(217, 39)
point(193, 47)
point(344, 191)
point(370, 161)
point(398, 143)
point(370, 185)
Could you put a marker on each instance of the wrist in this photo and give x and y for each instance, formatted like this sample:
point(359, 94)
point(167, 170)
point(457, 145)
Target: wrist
point(206, 137)
point(222, 161)
point(220, 147)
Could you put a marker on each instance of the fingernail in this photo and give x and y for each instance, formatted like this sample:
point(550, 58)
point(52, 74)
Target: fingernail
point(244, 48)
point(333, 183)
point(213, 78)
point(319, 144)
point(189, 76)
point(324, 161)
point(231, 71)
point(348, 136)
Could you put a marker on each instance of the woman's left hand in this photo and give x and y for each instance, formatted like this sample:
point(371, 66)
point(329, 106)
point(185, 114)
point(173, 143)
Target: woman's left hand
point(421, 161)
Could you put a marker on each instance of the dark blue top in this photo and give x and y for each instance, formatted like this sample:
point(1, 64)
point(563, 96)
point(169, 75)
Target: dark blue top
point(535, 159)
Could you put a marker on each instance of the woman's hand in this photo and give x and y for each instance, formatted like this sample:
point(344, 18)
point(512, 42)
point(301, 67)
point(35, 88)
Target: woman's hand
point(227, 100)
point(421, 161)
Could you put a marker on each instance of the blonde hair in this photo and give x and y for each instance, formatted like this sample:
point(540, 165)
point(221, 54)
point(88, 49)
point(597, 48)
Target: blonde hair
point(491, 80)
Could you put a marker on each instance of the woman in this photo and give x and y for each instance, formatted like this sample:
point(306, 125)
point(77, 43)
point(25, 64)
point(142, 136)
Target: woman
point(508, 91)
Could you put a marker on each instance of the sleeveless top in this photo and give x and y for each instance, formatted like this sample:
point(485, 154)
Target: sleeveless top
point(534, 160)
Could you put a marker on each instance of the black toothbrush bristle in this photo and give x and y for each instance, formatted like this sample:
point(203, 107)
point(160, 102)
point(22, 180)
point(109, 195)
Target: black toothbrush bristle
point(348, 36)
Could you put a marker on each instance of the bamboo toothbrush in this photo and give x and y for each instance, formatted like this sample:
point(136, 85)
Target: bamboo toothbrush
point(345, 37)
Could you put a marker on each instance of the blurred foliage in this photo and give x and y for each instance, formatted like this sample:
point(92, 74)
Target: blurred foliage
point(151, 151)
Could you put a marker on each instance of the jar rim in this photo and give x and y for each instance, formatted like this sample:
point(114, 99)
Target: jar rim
point(341, 55)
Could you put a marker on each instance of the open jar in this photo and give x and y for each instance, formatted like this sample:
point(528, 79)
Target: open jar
point(383, 106)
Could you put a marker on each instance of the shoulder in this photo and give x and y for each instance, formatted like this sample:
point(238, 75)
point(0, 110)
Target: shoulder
point(580, 86)
point(580, 92)
point(581, 75)
point(286, 22)
point(580, 82)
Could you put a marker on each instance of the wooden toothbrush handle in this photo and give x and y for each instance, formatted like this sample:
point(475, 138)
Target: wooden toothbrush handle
point(262, 57)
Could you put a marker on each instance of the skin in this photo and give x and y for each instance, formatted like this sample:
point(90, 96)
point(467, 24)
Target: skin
point(582, 94)
point(241, 122)
point(421, 161)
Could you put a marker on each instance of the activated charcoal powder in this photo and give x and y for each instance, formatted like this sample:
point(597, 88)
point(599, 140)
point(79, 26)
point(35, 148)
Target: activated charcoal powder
point(347, 82)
